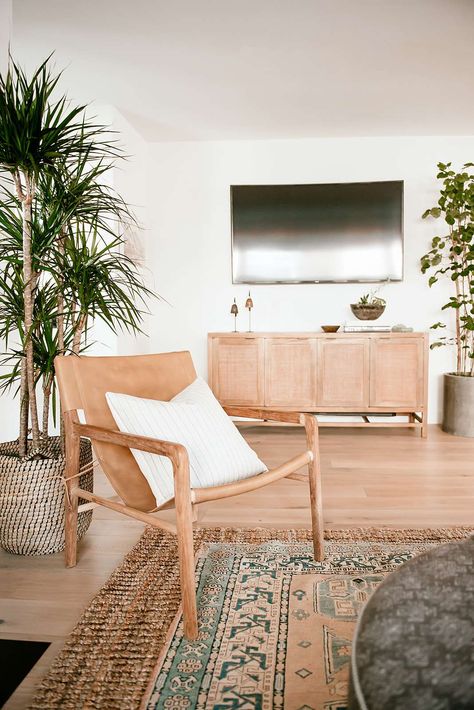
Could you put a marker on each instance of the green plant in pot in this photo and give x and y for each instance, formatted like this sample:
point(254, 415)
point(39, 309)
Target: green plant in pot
point(369, 307)
point(63, 266)
point(452, 257)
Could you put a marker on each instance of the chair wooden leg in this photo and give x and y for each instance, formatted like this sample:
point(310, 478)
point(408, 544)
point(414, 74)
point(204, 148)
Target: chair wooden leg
point(70, 529)
point(184, 529)
point(314, 475)
point(186, 572)
point(71, 500)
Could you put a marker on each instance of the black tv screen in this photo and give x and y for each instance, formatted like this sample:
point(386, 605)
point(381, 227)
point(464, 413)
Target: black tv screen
point(317, 233)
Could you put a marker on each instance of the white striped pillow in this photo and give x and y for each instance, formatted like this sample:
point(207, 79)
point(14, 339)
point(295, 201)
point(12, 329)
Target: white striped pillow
point(217, 452)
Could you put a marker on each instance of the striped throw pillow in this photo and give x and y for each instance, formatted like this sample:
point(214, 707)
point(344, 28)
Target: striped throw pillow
point(217, 451)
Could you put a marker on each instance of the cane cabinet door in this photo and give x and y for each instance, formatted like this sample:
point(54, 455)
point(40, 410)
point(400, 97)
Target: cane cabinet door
point(290, 372)
point(396, 372)
point(343, 373)
point(237, 374)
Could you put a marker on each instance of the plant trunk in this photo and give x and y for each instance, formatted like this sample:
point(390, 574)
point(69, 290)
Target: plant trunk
point(23, 437)
point(458, 334)
point(61, 345)
point(60, 305)
point(78, 330)
point(28, 311)
point(46, 399)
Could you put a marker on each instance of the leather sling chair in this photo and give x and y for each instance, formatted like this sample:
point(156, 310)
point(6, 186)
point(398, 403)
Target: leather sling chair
point(83, 382)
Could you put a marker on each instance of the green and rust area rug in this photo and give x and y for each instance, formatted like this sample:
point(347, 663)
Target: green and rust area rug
point(275, 626)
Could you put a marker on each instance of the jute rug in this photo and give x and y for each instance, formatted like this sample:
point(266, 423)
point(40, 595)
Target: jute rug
point(275, 626)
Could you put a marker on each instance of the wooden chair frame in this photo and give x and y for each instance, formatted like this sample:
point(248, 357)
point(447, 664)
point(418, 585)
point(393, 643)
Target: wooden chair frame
point(186, 498)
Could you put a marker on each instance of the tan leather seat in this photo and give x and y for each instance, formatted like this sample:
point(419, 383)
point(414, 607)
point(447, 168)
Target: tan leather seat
point(83, 382)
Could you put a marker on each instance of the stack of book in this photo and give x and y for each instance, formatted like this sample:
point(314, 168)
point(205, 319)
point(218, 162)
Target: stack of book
point(366, 327)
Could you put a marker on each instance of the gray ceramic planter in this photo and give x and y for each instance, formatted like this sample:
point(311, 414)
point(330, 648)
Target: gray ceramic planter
point(458, 414)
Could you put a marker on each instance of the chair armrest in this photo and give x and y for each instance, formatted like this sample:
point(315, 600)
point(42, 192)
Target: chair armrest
point(306, 419)
point(260, 413)
point(175, 452)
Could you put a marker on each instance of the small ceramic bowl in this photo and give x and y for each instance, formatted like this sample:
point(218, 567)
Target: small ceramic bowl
point(330, 328)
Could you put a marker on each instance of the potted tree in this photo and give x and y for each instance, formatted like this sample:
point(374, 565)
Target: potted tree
point(63, 266)
point(452, 256)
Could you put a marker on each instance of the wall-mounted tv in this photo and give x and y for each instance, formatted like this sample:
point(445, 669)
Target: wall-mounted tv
point(342, 232)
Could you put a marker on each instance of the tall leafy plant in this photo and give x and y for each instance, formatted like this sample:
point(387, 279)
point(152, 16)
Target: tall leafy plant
point(63, 263)
point(452, 256)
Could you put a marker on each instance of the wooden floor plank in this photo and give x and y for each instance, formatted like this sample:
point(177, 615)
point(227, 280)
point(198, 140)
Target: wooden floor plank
point(381, 478)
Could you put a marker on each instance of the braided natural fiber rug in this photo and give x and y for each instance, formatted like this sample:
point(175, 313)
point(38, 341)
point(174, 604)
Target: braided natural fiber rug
point(275, 627)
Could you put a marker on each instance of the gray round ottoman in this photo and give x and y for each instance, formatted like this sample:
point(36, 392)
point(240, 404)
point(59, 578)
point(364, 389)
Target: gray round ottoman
point(414, 643)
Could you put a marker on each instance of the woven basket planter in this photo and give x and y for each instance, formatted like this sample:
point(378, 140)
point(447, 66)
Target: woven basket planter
point(32, 500)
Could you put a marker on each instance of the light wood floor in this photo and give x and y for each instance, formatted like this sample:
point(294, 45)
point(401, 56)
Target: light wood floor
point(384, 478)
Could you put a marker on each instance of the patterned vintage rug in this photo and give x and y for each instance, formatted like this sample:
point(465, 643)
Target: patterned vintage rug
point(275, 626)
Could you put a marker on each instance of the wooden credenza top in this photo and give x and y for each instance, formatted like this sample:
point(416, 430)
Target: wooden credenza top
point(315, 334)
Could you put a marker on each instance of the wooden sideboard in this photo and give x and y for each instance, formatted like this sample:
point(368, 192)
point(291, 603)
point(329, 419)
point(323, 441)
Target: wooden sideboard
point(339, 373)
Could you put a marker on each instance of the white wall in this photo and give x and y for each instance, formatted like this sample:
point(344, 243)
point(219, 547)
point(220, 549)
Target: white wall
point(189, 246)
point(130, 179)
point(5, 32)
point(181, 195)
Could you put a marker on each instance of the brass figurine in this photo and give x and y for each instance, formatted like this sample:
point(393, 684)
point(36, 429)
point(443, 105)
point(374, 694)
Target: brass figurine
point(234, 311)
point(249, 306)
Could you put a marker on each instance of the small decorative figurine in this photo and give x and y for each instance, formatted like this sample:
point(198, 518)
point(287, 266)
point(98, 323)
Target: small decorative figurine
point(234, 311)
point(249, 306)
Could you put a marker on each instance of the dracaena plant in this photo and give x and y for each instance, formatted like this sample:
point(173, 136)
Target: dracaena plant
point(61, 254)
point(452, 256)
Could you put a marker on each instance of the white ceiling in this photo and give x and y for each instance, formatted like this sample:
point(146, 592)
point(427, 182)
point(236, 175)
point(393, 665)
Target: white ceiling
point(234, 69)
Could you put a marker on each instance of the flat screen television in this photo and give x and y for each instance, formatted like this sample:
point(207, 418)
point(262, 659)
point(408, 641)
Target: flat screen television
point(341, 232)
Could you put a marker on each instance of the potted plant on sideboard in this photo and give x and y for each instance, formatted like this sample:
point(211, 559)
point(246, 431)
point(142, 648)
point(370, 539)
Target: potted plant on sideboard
point(452, 256)
point(369, 307)
point(62, 267)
